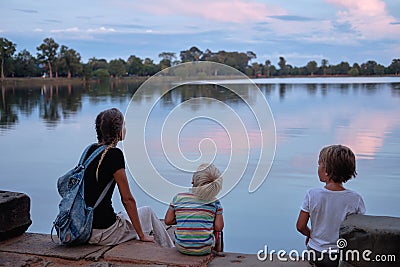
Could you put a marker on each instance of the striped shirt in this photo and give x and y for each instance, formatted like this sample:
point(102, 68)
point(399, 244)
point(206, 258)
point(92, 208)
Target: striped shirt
point(194, 223)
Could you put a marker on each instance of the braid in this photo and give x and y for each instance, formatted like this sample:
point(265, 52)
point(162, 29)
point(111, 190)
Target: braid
point(99, 122)
point(109, 124)
point(101, 160)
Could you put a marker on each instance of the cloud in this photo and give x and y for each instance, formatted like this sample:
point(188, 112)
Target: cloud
point(26, 10)
point(234, 11)
point(53, 21)
point(126, 26)
point(101, 30)
point(74, 30)
point(291, 18)
point(368, 17)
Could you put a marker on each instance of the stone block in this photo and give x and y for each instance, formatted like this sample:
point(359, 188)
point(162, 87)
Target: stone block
point(370, 240)
point(14, 214)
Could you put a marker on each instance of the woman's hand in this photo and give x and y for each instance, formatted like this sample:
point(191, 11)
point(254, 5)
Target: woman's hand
point(147, 238)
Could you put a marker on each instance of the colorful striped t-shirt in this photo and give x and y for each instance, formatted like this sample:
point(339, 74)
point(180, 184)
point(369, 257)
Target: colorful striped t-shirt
point(194, 223)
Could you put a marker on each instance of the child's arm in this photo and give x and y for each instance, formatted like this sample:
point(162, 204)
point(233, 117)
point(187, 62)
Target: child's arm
point(170, 218)
point(218, 223)
point(301, 224)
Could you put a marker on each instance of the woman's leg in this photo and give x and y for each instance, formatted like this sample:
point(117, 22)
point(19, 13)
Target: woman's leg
point(150, 223)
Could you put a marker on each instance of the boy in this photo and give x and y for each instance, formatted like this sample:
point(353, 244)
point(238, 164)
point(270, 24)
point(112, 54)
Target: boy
point(327, 207)
point(198, 215)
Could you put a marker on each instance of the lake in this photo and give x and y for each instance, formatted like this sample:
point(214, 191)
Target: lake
point(43, 130)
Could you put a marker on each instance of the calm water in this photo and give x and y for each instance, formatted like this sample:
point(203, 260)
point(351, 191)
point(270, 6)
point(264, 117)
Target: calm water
point(44, 129)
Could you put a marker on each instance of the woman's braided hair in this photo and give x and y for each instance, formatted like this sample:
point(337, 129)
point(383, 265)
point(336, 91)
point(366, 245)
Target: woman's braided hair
point(109, 125)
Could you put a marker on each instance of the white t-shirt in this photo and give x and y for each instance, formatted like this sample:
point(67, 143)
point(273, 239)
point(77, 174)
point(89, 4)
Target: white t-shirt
point(328, 209)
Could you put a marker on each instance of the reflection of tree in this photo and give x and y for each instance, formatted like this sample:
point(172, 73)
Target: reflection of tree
point(55, 102)
point(395, 89)
point(8, 116)
point(282, 91)
point(48, 109)
point(188, 91)
point(311, 89)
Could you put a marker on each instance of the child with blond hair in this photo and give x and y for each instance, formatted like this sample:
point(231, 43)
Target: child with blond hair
point(198, 214)
point(328, 207)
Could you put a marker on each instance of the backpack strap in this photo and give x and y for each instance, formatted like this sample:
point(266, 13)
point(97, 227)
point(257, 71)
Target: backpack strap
point(87, 162)
point(103, 194)
point(84, 154)
point(92, 156)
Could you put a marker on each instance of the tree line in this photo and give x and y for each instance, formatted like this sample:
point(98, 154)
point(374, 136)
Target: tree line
point(55, 60)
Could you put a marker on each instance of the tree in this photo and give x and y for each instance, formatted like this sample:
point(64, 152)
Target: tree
point(96, 64)
point(25, 65)
point(251, 55)
point(312, 67)
point(117, 67)
point(7, 50)
point(149, 68)
point(369, 67)
point(267, 68)
point(282, 66)
point(48, 53)
point(70, 60)
point(394, 67)
point(166, 59)
point(193, 54)
point(135, 65)
point(341, 69)
point(324, 65)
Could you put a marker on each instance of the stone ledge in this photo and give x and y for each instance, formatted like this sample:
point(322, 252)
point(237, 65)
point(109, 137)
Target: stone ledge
point(32, 249)
point(15, 214)
point(378, 234)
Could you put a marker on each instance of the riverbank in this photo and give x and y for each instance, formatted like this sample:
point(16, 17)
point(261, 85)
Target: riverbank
point(38, 81)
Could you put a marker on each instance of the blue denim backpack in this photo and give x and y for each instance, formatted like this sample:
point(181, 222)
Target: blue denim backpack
point(73, 223)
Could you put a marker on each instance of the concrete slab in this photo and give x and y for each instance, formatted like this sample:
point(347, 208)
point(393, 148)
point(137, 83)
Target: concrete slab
point(148, 253)
point(250, 260)
point(41, 245)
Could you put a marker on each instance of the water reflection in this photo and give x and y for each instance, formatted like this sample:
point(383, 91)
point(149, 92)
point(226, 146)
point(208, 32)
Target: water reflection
point(41, 121)
point(57, 102)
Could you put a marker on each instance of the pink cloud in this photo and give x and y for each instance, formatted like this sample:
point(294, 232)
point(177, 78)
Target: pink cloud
point(237, 11)
point(368, 17)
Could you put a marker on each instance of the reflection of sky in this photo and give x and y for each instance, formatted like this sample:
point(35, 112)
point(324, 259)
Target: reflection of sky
point(364, 117)
point(194, 132)
point(348, 116)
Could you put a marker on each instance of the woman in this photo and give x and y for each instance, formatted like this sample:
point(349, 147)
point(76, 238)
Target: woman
point(110, 228)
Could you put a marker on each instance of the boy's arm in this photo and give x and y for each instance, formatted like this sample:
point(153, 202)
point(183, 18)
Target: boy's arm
point(301, 224)
point(218, 223)
point(170, 218)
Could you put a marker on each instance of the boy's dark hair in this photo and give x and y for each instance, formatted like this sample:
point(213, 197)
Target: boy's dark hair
point(339, 162)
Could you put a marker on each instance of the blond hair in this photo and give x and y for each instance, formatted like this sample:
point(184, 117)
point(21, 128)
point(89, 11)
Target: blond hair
point(207, 182)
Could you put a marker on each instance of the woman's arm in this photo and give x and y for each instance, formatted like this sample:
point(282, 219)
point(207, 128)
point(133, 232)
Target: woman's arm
point(218, 223)
point(170, 218)
point(129, 203)
point(301, 224)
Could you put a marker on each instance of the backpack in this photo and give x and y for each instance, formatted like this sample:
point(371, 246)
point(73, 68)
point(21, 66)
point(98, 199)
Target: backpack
point(73, 223)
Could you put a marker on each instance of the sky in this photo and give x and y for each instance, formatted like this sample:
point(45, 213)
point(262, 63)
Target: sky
point(299, 30)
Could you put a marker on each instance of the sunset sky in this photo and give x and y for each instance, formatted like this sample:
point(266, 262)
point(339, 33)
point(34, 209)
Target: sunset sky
point(299, 30)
